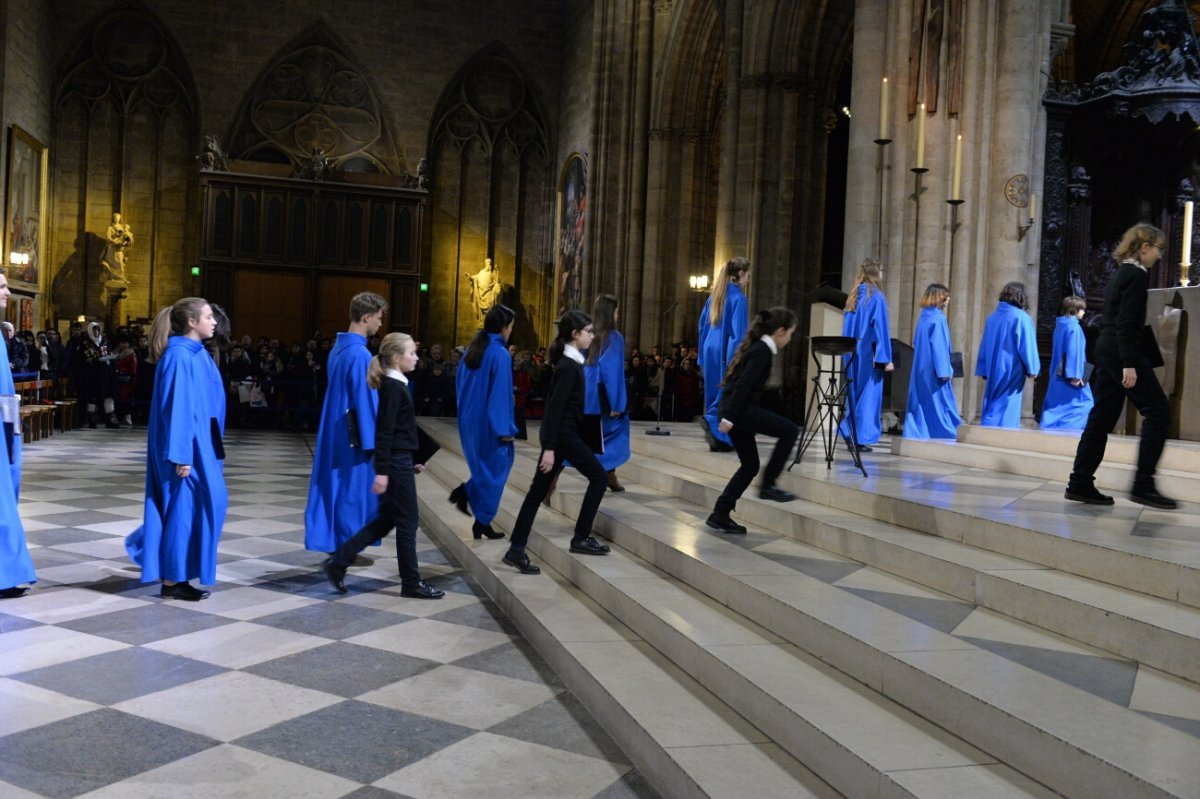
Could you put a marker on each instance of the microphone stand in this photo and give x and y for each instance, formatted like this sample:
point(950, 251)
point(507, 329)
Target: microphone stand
point(658, 431)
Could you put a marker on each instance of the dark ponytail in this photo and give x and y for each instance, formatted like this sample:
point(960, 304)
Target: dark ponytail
point(568, 323)
point(498, 317)
point(765, 323)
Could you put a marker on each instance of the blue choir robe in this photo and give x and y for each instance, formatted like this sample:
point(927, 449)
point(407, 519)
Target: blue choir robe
point(485, 415)
point(868, 323)
point(183, 515)
point(12, 430)
point(340, 502)
point(1007, 357)
point(932, 408)
point(16, 567)
point(608, 372)
point(1067, 407)
point(717, 345)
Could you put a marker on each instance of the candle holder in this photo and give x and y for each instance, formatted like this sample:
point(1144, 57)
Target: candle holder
point(918, 170)
point(1185, 270)
point(1023, 230)
point(883, 142)
point(953, 225)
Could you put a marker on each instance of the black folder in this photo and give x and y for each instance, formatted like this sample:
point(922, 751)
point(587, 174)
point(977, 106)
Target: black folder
point(592, 433)
point(426, 447)
point(352, 429)
point(956, 364)
point(218, 445)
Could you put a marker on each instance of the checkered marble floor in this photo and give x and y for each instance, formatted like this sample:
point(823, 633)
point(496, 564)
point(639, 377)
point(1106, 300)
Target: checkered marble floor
point(275, 685)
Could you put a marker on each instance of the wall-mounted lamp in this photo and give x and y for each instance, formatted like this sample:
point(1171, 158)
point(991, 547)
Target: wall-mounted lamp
point(1023, 229)
point(698, 282)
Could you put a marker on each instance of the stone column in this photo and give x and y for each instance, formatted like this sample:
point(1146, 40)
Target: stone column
point(870, 64)
point(730, 126)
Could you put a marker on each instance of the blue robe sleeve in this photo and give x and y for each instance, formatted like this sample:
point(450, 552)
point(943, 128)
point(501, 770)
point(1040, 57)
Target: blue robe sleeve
point(1027, 344)
point(500, 396)
point(175, 405)
point(982, 360)
point(881, 328)
point(363, 399)
point(939, 342)
point(612, 372)
point(705, 327)
point(1074, 357)
point(738, 316)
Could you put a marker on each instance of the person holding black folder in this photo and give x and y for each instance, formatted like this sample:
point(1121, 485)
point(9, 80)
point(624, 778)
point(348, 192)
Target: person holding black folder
point(742, 416)
point(400, 453)
point(566, 435)
point(1126, 354)
point(932, 408)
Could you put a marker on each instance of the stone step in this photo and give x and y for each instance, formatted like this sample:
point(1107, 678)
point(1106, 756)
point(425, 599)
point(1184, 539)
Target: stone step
point(1181, 456)
point(1145, 629)
point(1075, 742)
point(856, 740)
point(1112, 475)
point(1128, 546)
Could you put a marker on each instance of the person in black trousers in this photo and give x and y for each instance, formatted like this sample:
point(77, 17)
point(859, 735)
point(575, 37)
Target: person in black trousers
point(1123, 369)
point(742, 415)
point(396, 440)
point(561, 441)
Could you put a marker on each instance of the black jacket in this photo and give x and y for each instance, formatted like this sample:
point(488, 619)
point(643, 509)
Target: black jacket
point(745, 386)
point(395, 425)
point(1124, 316)
point(564, 405)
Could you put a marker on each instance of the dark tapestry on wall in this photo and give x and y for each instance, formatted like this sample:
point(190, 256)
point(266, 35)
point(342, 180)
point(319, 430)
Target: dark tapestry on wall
point(313, 99)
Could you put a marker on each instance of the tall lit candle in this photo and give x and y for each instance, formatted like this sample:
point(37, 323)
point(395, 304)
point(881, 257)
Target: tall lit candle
point(921, 137)
point(1032, 206)
point(956, 191)
point(883, 110)
point(1187, 232)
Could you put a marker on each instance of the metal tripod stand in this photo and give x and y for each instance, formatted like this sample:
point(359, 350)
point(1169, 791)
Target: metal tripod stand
point(832, 401)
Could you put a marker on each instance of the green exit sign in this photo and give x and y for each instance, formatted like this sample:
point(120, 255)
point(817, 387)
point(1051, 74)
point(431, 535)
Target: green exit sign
point(195, 271)
point(424, 287)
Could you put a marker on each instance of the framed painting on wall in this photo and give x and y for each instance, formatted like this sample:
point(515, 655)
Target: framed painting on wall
point(25, 210)
point(572, 216)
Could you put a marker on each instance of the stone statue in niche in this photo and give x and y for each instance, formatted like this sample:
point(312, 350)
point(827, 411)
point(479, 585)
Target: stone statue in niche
point(485, 289)
point(423, 175)
point(119, 238)
point(317, 166)
point(213, 158)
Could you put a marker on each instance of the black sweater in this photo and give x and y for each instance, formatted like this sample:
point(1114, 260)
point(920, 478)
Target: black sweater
point(745, 386)
point(1124, 315)
point(564, 405)
point(395, 425)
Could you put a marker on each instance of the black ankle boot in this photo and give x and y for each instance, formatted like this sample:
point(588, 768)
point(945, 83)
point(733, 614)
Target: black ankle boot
point(480, 530)
point(459, 497)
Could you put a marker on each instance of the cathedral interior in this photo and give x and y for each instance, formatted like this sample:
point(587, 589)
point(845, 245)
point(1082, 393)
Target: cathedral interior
point(278, 158)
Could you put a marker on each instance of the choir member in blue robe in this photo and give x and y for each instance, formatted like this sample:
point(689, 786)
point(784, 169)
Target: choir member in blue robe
point(932, 408)
point(340, 502)
point(16, 567)
point(186, 497)
point(1007, 357)
point(867, 320)
point(604, 384)
point(485, 420)
point(1068, 396)
point(723, 324)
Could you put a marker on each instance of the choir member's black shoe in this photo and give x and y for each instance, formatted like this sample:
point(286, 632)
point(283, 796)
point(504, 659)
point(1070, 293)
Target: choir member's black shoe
point(614, 484)
point(362, 560)
point(863, 448)
point(480, 530)
point(422, 590)
point(589, 546)
point(724, 524)
point(1151, 498)
point(185, 591)
point(775, 494)
point(459, 497)
point(112, 424)
point(1087, 495)
point(13, 593)
point(521, 563)
point(335, 574)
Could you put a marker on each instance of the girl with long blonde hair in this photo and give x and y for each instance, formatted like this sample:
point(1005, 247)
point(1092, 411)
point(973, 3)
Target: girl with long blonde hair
point(723, 325)
point(867, 320)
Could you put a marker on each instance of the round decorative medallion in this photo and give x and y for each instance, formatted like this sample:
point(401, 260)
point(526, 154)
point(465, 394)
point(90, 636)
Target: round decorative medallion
point(1016, 191)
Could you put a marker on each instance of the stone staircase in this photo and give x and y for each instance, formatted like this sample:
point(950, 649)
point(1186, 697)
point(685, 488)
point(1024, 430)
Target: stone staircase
point(909, 634)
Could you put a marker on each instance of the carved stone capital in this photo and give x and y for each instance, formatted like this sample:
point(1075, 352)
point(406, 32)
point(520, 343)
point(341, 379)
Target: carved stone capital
point(792, 83)
point(663, 6)
point(1061, 34)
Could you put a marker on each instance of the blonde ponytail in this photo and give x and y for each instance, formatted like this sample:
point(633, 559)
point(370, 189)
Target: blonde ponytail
point(159, 332)
point(393, 344)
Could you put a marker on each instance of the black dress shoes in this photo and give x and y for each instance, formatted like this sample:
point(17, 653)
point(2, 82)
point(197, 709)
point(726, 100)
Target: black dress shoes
point(724, 524)
point(480, 530)
point(335, 574)
point(521, 563)
point(1089, 496)
point(459, 497)
point(185, 591)
point(422, 590)
point(1151, 498)
point(863, 448)
point(776, 494)
point(13, 593)
point(589, 546)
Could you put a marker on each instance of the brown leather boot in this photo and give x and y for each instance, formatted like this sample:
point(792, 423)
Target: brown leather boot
point(613, 484)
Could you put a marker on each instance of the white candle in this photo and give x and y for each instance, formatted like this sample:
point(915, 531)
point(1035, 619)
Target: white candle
point(921, 137)
point(1032, 207)
point(1187, 232)
point(956, 191)
point(883, 110)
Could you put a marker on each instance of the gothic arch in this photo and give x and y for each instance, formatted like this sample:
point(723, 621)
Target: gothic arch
point(687, 91)
point(490, 146)
point(125, 124)
point(313, 94)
